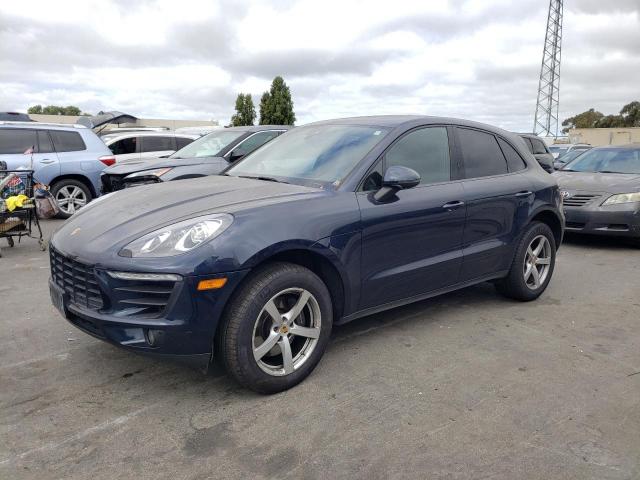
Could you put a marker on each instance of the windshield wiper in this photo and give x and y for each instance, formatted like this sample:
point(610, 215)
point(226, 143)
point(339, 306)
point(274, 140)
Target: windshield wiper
point(260, 177)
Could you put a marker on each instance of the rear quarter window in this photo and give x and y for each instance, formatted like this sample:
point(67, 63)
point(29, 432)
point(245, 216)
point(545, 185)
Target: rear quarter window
point(538, 146)
point(67, 141)
point(514, 160)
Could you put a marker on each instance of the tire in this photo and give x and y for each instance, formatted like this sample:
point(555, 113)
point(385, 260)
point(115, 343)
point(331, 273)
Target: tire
point(521, 282)
point(76, 194)
point(247, 325)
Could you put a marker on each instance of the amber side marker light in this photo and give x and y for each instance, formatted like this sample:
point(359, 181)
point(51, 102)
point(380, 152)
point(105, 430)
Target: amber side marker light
point(212, 284)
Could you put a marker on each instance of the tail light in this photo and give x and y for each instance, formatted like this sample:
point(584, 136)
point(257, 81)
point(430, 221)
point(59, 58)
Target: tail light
point(108, 160)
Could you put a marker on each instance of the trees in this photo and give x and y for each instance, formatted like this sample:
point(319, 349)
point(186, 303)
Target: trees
point(55, 110)
point(276, 105)
point(629, 117)
point(245, 111)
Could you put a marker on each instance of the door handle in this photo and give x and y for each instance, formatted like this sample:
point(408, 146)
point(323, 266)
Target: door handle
point(524, 194)
point(453, 205)
point(46, 161)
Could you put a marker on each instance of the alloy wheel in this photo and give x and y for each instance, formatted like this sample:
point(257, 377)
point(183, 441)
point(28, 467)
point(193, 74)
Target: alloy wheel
point(286, 331)
point(71, 198)
point(537, 262)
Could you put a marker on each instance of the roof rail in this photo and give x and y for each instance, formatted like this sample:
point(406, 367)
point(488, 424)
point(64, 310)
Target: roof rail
point(38, 124)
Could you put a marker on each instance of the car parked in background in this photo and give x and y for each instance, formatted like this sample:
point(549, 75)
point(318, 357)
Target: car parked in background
point(69, 158)
point(560, 149)
point(560, 162)
point(140, 144)
point(207, 155)
point(539, 149)
point(601, 192)
point(331, 222)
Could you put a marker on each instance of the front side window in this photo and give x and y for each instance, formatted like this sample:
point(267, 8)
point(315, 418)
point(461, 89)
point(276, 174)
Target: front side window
point(426, 151)
point(182, 142)
point(318, 153)
point(254, 141)
point(481, 154)
point(157, 144)
point(124, 146)
point(13, 140)
point(67, 141)
point(210, 145)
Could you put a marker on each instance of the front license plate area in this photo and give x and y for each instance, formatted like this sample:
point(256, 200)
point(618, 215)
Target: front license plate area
point(58, 298)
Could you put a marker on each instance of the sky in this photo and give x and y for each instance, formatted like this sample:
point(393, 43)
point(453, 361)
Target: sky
point(188, 59)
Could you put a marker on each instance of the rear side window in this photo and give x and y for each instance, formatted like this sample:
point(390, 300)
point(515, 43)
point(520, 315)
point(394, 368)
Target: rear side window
point(13, 140)
point(157, 144)
point(538, 146)
point(514, 160)
point(44, 142)
point(124, 146)
point(481, 154)
point(67, 141)
point(182, 142)
point(426, 151)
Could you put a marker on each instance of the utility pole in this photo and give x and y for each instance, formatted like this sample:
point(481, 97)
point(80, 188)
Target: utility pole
point(546, 119)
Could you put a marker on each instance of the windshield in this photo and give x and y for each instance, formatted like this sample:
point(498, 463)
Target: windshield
point(208, 146)
point(321, 153)
point(607, 160)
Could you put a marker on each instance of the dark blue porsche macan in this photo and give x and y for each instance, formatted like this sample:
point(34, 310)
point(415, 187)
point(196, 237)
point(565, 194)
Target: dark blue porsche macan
point(327, 223)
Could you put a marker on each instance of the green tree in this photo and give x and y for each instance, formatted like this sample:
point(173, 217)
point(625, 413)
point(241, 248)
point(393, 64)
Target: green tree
point(245, 111)
point(588, 119)
point(276, 106)
point(630, 114)
point(265, 113)
point(55, 110)
point(610, 121)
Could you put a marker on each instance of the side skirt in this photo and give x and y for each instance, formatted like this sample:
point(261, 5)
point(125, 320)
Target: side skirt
point(417, 298)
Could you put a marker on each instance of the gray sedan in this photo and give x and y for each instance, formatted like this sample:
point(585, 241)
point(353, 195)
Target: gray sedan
point(601, 192)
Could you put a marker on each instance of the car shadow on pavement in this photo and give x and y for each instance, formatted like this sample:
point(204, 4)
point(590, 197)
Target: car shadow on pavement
point(603, 243)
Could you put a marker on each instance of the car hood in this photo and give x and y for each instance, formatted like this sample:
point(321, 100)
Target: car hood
point(119, 217)
point(598, 182)
point(126, 167)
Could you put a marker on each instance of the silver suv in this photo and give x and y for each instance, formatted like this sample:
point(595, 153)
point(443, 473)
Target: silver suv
point(69, 158)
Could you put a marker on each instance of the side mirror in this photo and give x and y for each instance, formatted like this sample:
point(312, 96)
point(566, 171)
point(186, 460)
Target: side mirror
point(236, 155)
point(396, 178)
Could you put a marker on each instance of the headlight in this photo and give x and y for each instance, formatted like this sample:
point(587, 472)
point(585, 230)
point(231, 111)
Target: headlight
point(622, 198)
point(178, 238)
point(158, 172)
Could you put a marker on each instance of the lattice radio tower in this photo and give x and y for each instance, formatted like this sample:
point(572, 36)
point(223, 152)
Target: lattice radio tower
point(546, 121)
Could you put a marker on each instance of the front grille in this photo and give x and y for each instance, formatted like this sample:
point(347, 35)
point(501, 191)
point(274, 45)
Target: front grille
point(77, 280)
point(579, 199)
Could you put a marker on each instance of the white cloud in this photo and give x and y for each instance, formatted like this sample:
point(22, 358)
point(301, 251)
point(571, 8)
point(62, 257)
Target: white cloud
point(476, 59)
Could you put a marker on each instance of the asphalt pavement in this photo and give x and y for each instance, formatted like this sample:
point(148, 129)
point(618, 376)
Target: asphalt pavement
point(464, 386)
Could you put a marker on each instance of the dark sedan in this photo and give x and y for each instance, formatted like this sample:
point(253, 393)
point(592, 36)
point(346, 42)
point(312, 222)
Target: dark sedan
point(208, 155)
point(331, 222)
point(601, 191)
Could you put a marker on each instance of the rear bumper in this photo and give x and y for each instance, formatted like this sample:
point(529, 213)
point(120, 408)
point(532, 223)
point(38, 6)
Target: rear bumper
point(621, 220)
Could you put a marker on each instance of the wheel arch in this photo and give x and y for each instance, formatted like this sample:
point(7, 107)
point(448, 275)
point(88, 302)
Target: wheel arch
point(80, 178)
point(553, 221)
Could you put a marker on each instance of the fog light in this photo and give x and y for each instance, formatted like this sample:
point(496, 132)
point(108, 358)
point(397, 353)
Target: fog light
point(153, 337)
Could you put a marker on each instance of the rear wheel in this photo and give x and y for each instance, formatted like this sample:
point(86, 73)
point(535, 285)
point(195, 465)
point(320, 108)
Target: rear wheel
point(532, 265)
point(276, 328)
point(70, 195)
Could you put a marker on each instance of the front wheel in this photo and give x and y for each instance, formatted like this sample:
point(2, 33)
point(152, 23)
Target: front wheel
point(276, 328)
point(532, 265)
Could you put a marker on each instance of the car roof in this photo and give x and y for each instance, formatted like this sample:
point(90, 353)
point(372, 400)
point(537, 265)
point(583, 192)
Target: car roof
point(528, 135)
point(407, 121)
point(109, 136)
point(254, 128)
point(49, 126)
point(628, 146)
